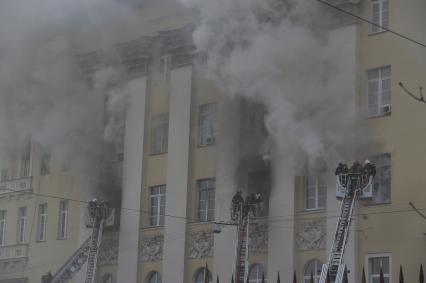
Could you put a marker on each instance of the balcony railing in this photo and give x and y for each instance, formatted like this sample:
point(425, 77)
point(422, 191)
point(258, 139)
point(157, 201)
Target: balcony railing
point(15, 185)
point(13, 251)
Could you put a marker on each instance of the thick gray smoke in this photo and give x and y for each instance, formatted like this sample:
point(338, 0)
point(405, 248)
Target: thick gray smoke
point(283, 54)
point(44, 95)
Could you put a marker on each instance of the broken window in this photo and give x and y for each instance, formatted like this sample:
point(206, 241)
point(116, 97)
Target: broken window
point(45, 162)
point(26, 161)
point(207, 124)
point(159, 133)
point(382, 180)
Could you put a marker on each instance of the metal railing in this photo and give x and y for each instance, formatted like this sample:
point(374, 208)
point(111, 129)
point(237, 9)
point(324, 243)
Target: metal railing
point(13, 251)
point(15, 185)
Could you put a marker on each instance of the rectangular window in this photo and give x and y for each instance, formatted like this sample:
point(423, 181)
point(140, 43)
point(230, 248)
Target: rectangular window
point(206, 199)
point(22, 224)
point(315, 193)
point(157, 205)
point(375, 263)
point(45, 163)
point(63, 219)
point(207, 124)
point(2, 226)
point(382, 180)
point(26, 161)
point(159, 133)
point(42, 222)
point(379, 91)
point(379, 15)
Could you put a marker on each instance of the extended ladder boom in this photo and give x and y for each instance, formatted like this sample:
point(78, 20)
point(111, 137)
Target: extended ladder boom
point(352, 183)
point(241, 262)
point(88, 251)
point(335, 266)
point(73, 264)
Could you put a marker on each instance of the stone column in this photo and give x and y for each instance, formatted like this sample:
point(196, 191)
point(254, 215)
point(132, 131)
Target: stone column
point(128, 256)
point(177, 175)
point(226, 185)
point(281, 245)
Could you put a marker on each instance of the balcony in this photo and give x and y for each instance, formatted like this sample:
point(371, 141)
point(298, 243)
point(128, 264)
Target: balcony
point(13, 252)
point(15, 185)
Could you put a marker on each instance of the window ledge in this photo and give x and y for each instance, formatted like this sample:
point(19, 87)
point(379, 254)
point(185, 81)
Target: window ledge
point(157, 154)
point(148, 228)
point(373, 33)
point(378, 116)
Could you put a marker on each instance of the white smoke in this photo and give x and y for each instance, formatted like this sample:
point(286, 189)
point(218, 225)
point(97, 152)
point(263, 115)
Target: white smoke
point(283, 54)
point(45, 96)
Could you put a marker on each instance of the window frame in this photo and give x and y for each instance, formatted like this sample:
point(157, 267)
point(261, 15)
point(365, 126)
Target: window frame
point(207, 124)
point(381, 78)
point(209, 192)
point(22, 225)
point(316, 276)
point(3, 223)
point(318, 181)
point(63, 222)
point(159, 215)
point(159, 133)
point(42, 223)
point(381, 23)
point(378, 255)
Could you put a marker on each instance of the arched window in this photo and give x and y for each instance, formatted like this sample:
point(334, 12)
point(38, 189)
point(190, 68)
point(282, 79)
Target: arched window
point(255, 273)
point(200, 276)
point(312, 267)
point(153, 277)
point(107, 278)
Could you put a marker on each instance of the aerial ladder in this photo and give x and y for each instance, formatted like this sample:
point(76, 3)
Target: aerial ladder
point(241, 211)
point(351, 183)
point(87, 252)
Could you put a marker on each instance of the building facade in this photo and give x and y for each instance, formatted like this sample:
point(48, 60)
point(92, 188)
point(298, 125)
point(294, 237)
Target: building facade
point(187, 148)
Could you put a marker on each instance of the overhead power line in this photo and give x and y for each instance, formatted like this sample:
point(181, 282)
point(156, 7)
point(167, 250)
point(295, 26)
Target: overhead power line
point(283, 218)
point(372, 23)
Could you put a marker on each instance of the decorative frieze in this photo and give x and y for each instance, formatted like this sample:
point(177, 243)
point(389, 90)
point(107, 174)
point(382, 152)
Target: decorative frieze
point(311, 234)
point(258, 238)
point(108, 251)
point(201, 245)
point(152, 248)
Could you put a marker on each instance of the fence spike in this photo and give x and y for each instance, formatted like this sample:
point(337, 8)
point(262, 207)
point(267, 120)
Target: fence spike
point(401, 275)
point(263, 277)
point(312, 277)
point(382, 277)
point(217, 278)
point(278, 279)
point(232, 279)
point(363, 276)
point(294, 277)
point(421, 277)
point(206, 274)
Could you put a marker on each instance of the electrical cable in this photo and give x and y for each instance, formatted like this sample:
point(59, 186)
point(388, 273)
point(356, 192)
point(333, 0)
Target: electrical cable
point(372, 23)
